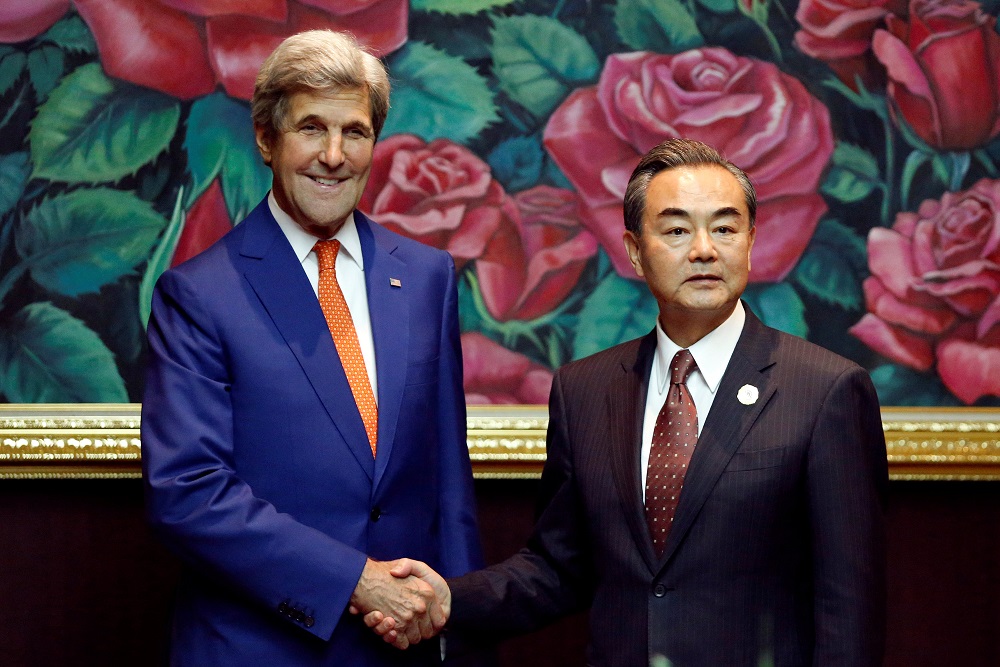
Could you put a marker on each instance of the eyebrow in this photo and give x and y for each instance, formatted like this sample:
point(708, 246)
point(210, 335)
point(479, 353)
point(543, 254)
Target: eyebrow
point(724, 212)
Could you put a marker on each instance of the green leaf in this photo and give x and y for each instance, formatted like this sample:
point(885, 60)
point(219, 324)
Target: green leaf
point(12, 64)
point(13, 176)
point(898, 385)
point(45, 66)
point(437, 95)
point(538, 61)
point(78, 242)
point(779, 306)
point(940, 165)
point(719, 6)
point(832, 265)
point(160, 260)
point(91, 130)
point(457, 7)
point(220, 142)
point(49, 356)
point(853, 174)
point(618, 310)
point(663, 26)
point(71, 34)
point(914, 161)
point(517, 162)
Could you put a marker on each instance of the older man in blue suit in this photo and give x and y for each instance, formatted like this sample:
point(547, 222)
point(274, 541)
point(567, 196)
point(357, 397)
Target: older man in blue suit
point(304, 420)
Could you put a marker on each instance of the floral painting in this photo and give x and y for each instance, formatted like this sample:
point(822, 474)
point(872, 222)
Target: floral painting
point(870, 130)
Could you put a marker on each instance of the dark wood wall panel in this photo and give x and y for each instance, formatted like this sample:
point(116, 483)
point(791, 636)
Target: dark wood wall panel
point(82, 582)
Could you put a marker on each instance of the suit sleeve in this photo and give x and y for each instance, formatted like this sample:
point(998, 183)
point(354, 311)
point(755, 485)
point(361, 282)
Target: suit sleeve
point(198, 504)
point(848, 483)
point(460, 547)
point(552, 576)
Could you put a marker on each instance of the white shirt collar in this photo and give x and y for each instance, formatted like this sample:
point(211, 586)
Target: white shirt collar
point(711, 353)
point(302, 242)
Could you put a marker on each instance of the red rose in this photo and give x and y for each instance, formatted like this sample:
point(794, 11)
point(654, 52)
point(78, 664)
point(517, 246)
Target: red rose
point(944, 71)
point(24, 19)
point(206, 222)
point(185, 47)
point(553, 251)
point(443, 195)
point(760, 118)
point(494, 374)
point(934, 293)
point(839, 32)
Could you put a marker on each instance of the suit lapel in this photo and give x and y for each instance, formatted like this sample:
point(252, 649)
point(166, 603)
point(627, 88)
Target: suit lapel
point(727, 425)
point(277, 278)
point(390, 317)
point(626, 407)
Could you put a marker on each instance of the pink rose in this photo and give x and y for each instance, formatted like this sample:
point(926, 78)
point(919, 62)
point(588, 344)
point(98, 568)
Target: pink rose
point(443, 195)
point(553, 251)
point(186, 47)
point(494, 374)
point(839, 32)
point(206, 222)
point(24, 19)
point(934, 293)
point(944, 72)
point(760, 118)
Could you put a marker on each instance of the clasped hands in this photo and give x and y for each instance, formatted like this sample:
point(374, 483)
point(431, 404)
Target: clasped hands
point(403, 601)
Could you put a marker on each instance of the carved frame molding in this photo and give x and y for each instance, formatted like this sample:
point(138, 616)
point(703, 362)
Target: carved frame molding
point(55, 441)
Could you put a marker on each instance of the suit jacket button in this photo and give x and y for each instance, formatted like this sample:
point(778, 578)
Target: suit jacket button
point(309, 622)
point(659, 590)
point(376, 513)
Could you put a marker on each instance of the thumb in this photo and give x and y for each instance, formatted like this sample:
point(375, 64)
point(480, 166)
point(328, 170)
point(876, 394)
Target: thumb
point(403, 568)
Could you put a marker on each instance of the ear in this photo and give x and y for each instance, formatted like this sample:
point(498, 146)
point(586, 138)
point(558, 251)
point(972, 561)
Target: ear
point(632, 248)
point(263, 143)
point(753, 235)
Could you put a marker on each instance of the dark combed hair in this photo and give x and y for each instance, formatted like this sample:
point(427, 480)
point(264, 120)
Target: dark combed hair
point(671, 154)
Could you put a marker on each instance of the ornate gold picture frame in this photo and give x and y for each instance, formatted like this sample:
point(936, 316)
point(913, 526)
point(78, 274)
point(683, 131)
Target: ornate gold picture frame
point(102, 441)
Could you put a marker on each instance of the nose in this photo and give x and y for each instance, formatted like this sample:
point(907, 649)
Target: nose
point(331, 152)
point(702, 247)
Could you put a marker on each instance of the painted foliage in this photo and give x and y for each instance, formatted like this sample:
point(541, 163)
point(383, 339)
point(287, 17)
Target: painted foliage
point(869, 129)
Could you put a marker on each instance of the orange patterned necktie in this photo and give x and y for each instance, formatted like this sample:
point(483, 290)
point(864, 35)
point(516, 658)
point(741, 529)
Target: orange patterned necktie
point(345, 337)
point(674, 438)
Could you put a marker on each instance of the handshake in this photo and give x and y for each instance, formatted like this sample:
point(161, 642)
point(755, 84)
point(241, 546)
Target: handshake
point(403, 601)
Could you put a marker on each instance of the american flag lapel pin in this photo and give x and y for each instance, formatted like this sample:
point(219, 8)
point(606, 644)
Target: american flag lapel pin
point(394, 282)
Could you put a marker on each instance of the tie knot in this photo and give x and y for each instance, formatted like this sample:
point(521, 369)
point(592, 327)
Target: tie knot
point(681, 367)
point(326, 254)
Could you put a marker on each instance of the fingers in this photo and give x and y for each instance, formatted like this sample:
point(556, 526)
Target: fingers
point(403, 601)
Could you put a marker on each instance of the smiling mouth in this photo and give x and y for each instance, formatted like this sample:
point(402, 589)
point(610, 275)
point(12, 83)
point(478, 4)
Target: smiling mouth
point(327, 181)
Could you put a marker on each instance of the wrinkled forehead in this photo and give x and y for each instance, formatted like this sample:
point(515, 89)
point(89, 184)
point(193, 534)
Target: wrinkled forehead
point(700, 191)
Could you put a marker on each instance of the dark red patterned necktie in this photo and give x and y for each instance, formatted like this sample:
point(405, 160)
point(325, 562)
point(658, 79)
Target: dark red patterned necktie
point(674, 439)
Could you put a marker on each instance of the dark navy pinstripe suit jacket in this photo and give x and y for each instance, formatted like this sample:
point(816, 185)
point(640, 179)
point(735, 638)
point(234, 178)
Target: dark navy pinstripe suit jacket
point(777, 548)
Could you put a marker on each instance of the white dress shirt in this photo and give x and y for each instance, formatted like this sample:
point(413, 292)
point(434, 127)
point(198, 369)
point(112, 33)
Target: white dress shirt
point(350, 276)
point(711, 353)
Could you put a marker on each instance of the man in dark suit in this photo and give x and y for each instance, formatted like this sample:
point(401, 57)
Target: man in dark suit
point(727, 511)
point(304, 419)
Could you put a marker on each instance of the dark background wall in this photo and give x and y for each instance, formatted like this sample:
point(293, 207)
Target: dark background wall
point(82, 582)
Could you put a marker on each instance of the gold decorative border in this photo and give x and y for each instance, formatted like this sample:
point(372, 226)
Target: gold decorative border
point(102, 441)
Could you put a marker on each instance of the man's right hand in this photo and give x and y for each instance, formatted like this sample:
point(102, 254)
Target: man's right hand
point(408, 606)
point(385, 624)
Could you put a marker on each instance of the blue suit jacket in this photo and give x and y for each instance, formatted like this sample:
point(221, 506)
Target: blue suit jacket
point(258, 471)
